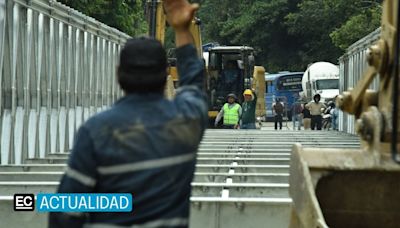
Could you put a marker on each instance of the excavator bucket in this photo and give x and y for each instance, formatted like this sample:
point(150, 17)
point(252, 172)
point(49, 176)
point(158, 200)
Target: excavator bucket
point(342, 188)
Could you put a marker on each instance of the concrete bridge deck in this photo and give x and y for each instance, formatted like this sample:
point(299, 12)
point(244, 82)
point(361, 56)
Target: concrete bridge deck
point(241, 177)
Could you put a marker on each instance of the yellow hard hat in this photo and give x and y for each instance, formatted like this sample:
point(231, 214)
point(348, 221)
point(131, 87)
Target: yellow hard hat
point(248, 92)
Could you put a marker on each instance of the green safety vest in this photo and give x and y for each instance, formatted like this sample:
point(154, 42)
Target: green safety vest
point(231, 115)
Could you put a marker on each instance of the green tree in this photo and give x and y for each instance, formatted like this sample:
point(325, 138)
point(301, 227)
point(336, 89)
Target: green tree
point(327, 27)
point(90, 7)
point(124, 15)
point(259, 24)
point(356, 27)
point(289, 34)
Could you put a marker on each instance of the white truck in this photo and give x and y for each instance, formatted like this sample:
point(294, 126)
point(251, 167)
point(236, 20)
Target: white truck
point(321, 78)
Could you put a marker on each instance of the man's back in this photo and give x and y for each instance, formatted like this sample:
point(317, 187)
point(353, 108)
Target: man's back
point(297, 108)
point(144, 145)
point(278, 107)
point(147, 148)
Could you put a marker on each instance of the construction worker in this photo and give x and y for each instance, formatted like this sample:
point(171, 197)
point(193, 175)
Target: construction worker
point(306, 115)
point(231, 111)
point(144, 144)
point(335, 115)
point(278, 108)
point(297, 110)
point(316, 108)
point(249, 110)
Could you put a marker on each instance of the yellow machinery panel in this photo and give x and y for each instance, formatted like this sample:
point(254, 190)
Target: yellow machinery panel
point(259, 86)
point(212, 114)
point(157, 21)
point(169, 88)
point(173, 72)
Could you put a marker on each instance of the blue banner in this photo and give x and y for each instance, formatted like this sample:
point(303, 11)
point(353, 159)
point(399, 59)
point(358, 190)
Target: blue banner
point(84, 202)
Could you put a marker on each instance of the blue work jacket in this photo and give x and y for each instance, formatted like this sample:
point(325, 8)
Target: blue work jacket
point(145, 145)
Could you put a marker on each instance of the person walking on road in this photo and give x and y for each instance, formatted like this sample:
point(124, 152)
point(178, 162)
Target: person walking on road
point(231, 111)
point(297, 110)
point(306, 117)
point(249, 110)
point(278, 109)
point(335, 116)
point(144, 144)
point(316, 109)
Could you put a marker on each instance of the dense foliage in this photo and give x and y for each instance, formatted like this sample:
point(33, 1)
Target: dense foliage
point(288, 34)
point(125, 15)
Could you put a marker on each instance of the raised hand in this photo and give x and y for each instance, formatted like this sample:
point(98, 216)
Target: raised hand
point(179, 13)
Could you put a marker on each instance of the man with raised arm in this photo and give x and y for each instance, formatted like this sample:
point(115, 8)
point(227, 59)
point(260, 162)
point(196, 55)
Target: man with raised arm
point(144, 144)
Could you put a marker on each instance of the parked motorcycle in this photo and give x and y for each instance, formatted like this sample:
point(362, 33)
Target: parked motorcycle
point(326, 121)
point(327, 116)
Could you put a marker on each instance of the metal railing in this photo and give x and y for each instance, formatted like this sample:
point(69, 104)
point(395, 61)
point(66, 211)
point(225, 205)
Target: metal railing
point(352, 66)
point(57, 68)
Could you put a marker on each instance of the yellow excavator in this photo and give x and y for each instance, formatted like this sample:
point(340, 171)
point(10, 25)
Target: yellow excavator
point(251, 76)
point(219, 59)
point(357, 188)
point(157, 29)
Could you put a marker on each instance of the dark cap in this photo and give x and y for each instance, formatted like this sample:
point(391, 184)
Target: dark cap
point(232, 95)
point(143, 54)
point(142, 65)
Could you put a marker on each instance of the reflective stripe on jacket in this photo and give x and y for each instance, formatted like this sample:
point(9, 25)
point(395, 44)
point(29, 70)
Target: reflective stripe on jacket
point(145, 145)
point(231, 115)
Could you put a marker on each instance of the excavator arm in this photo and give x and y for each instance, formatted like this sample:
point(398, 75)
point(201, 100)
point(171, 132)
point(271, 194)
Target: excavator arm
point(379, 110)
point(157, 29)
point(156, 19)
